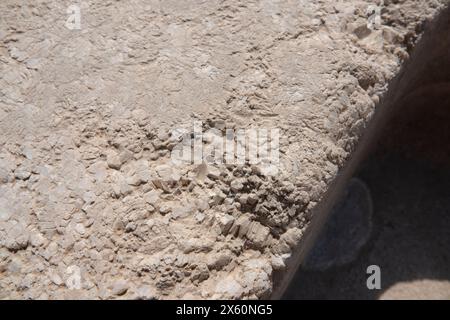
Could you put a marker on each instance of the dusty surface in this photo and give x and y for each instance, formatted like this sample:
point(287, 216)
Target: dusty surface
point(91, 205)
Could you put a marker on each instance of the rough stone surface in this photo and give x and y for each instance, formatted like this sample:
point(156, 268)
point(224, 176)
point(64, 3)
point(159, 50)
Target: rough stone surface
point(89, 118)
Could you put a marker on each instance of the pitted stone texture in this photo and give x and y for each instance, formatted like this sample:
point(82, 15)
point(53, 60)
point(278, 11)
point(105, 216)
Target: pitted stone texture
point(91, 205)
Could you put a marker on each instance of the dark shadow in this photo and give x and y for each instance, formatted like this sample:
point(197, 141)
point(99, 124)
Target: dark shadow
point(408, 174)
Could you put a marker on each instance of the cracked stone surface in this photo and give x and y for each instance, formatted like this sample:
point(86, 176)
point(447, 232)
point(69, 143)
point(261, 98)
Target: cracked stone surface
point(91, 205)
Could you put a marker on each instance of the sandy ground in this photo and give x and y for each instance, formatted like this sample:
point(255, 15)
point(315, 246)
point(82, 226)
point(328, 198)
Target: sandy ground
point(91, 203)
point(409, 240)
